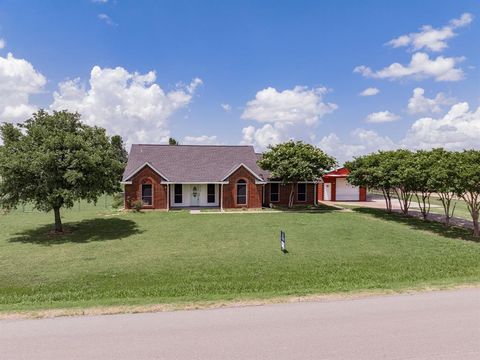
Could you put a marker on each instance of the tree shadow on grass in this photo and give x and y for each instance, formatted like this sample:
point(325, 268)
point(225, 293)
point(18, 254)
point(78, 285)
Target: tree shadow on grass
point(308, 209)
point(452, 232)
point(79, 232)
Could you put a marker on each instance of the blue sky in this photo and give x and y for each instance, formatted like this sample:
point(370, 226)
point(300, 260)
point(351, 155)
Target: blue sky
point(281, 69)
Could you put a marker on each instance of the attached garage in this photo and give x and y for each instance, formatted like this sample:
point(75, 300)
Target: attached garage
point(335, 187)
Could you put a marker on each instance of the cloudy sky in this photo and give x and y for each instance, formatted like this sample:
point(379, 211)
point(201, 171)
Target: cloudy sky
point(349, 76)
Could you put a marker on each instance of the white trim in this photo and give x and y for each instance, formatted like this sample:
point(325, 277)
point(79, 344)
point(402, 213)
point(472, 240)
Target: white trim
point(153, 197)
point(151, 167)
point(195, 182)
point(175, 203)
point(315, 201)
point(246, 192)
point(125, 183)
point(260, 182)
point(306, 192)
point(270, 194)
point(246, 167)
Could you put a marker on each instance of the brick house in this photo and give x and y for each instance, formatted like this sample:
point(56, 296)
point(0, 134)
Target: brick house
point(183, 176)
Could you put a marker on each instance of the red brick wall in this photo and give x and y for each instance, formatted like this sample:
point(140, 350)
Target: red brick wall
point(254, 191)
point(363, 193)
point(133, 192)
point(320, 193)
point(284, 192)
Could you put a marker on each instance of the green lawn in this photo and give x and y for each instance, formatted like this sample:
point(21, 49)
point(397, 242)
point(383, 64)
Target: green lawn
point(115, 258)
point(461, 210)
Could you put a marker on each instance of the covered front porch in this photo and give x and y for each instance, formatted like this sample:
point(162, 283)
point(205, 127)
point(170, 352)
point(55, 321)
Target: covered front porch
point(195, 195)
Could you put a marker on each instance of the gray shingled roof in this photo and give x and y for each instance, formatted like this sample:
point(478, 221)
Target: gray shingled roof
point(192, 163)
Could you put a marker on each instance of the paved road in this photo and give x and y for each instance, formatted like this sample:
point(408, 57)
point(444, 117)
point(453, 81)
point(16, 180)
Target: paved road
point(434, 325)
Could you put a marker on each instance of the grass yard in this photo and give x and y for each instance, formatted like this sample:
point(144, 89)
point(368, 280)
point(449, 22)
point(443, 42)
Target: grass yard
point(115, 258)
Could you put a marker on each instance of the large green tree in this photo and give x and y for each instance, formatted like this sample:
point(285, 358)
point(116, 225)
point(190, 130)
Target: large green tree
point(53, 160)
point(443, 179)
point(119, 146)
point(399, 166)
point(468, 168)
point(295, 161)
point(370, 171)
point(421, 165)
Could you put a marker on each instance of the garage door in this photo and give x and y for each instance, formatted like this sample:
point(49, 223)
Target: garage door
point(345, 191)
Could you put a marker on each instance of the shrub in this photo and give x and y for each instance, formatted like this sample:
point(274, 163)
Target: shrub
point(117, 200)
point(137, 205)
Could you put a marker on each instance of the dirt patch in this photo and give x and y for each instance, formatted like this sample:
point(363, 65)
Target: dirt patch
point(135, 309)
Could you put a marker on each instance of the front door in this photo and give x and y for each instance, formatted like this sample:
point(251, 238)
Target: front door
point(195, 196)
point(327, 191)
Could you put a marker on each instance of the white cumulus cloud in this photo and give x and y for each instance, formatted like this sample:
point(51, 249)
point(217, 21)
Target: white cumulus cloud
point(3, 43)
point(371, 91)
point(128, 104)
point(418, 103)
point(298, 105)
point(358, 142)
point(420, 67)
point(430, 38)
point(200, 140)
point(381, 117)
point(458, 129)
point(286, 114)
point(18, 81)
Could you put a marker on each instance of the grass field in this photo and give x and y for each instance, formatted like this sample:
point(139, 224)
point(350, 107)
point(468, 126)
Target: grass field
point(461, 210)
point(113, 258)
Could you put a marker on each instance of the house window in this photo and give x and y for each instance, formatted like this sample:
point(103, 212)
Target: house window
point(147, 198)
point(241, 192)
point(211, 193)
point(302, 192)
point(178, 199)
point(274, 192)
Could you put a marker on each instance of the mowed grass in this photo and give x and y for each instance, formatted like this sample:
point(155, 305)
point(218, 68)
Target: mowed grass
point(112, 258)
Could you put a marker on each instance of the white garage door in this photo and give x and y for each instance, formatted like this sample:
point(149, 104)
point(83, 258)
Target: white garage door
point(345, 191)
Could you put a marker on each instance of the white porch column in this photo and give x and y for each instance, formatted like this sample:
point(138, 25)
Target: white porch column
point(315, 184)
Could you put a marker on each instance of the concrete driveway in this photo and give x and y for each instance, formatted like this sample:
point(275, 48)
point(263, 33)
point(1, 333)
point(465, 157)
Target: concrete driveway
point(431, 325)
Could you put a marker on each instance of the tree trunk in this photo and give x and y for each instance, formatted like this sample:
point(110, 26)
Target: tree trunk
point(388, 200)
point(404, 198)
point(290, 198)
point(58, 220)
point(473, 204)
point(476, 227)
point(424, 204)
point(446, 199)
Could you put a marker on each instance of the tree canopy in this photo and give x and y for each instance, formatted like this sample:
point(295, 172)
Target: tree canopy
point(295, 161)
point(53, 160)
point(450, 175)
point(172, 141)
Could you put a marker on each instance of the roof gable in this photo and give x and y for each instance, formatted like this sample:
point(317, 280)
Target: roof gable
point(129, 176)
point(247, 168)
